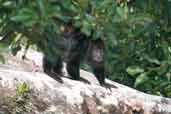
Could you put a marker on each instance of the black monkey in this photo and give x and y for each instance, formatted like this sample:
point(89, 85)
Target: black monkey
point(96, 59)
point(77, 48)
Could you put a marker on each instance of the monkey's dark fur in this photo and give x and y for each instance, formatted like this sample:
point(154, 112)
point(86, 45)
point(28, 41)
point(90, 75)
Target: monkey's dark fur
point(77, 48)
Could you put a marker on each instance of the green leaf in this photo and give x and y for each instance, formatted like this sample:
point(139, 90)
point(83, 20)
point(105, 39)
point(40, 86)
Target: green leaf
point(7, 4)
point(142, 78)
point(42, 7)
point(86, 28)
point(134, 70)
point(20, 18)
point(2, 59)
point(82, 3)
point(22, 88)
point(27, 17)
point(4, 47)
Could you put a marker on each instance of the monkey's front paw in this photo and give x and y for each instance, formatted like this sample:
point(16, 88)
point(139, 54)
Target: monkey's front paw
point(108, 86)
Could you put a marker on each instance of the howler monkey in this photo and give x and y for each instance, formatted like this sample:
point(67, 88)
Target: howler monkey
point(77, 47)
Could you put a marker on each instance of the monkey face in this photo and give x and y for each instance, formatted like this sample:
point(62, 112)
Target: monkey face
point(97, 54)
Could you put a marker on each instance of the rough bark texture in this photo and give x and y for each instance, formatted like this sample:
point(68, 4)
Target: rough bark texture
point(48, 96)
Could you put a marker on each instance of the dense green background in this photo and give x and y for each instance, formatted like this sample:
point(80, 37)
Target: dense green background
point(136, 33)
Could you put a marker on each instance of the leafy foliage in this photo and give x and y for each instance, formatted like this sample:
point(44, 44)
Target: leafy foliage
point(136, 33)
point(20, 102)
point(143, 52)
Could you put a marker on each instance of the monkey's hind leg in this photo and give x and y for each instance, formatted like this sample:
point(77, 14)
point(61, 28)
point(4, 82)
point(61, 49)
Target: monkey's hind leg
point(99, 73)
point(48, 68)
point(58, 66)
point(73, 70)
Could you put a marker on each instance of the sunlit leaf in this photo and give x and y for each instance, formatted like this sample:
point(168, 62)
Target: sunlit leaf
point(20, 18)
point(134, 70)
point(142, 78)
